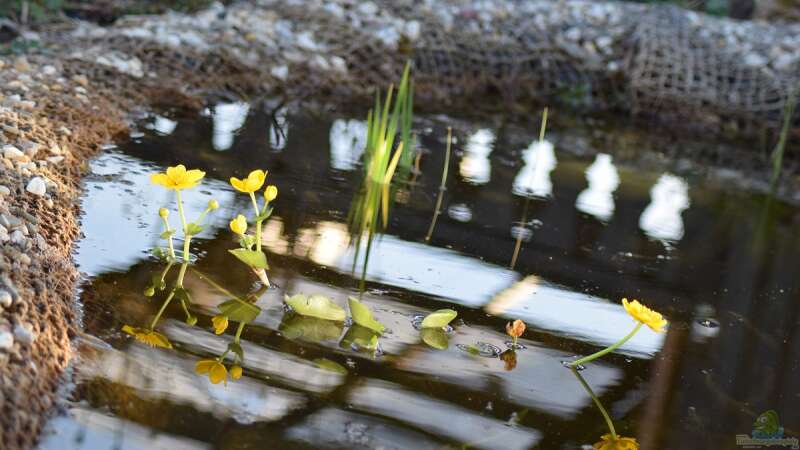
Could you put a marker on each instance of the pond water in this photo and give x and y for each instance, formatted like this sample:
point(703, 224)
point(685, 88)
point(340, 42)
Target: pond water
point(720, 264)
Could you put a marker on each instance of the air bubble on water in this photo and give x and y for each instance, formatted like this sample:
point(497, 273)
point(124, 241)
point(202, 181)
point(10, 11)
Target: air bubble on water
point(708, 323)
point(448, 329)
point(518, 346)
point(416, 321)
point(483, 349)
point(350, 363)
point(579, 367)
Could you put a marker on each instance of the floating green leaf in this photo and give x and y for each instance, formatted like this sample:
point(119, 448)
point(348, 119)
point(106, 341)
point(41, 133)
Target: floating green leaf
point(360, 337)
point(253, 258)
point(239, 310)
point(193, 229)
point(310, 329)
point(317, 306)
point(435, 337)
point(439, 319)
point(363, 316)
point(330, 366)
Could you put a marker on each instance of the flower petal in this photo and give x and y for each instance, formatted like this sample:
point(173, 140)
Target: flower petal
point(218, 373)
point(204, 366)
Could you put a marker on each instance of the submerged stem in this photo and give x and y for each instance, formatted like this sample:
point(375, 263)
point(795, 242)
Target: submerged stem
point(161, 311)
point(597, 402)
point(442, 186)
point(606, 350)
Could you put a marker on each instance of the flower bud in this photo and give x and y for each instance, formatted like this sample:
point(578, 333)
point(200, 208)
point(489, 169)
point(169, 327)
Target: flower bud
point(239, 225)
point(163, 212)
point(236, 372)
point(191, 320)
point(213, 204)
point(271, 192)
point(149, 291)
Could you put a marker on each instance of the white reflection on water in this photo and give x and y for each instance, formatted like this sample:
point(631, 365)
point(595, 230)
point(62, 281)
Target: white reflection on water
point(533, 180)
point(348, 139)
point(598, 199)
point(279, 130)
point(228, 119)
point(475, 166)
point(662, 218)
point(162, 125)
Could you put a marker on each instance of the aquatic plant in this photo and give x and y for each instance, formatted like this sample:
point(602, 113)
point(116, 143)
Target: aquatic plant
point(382, 161)
point(643, 316)
point(250, 252)
point(442, 186)
point(777, 153)
point(439, 318)
point(610, 441)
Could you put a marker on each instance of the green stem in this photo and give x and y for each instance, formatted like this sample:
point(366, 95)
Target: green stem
point(222, 356)
point(606, 350)
point(255, 203)
point(215, 284)
point(169, 240)
point(597, 402)
point(161, 311)
point(258, 222)
point(182, 273)
point(166, 270)
point(186, 237)
point(238, 332)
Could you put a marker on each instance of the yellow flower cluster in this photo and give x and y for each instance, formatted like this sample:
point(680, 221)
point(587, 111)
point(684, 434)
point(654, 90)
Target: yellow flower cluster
point(645, 315)
point(147, 336)
point(253, 182)
point(178, 178)
point(216, 371)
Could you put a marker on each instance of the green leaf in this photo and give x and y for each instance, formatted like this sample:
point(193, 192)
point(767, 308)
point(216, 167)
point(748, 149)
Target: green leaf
point(247, 241)
point(193, 229)
point(161, 253)
point(435, 337)
point(363, 316)
point(317, 306)
point(330, 366)
point(239, 311)
point(310, 329)
point(263, 217)
point(439, 319)
point(167, 234)
point(253, 258)
point(360, 337)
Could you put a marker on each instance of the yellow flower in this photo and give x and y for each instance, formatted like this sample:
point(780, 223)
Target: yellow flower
point(178, 178)
point(220, 323)
point(163, 212)
point(621, 443)
point(147, 336)
point(216, 370)
point(271, 192)
point(236, 372)
point(515, 329)
point(239, 225)
point(213, 204)
point(252, 183)
point(645, 315)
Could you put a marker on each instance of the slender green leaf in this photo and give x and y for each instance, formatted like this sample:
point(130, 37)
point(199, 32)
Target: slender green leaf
point(439, 319)
point(363, 316)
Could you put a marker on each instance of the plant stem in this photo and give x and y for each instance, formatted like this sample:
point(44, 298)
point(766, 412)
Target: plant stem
point(169, 240)
point(777, 153)
point(442, 186)
point(186, 237)
point(161, 311)
point(606, 350)
point(239, 332)
point(597, 402)
point(182, 274)
point(258, 222)
point(255, 203)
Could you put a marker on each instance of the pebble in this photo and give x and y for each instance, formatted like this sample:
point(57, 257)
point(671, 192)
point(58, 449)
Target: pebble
point(13, 153)
point(5, 298)
point(81, 79)
point(21, 64)
point(36, 186)
point(49, 70)
point(24, 334)
point(6, 340)
point(3, 234)
point(17, 237)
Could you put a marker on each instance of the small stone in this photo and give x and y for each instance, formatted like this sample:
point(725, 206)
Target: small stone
point(36, 186)
point(755, 60)
point(81, 79)
point(280, 72)
point(6, 340)
point(4, 234)
point(24, 259)
point(4, 190)
point(49, 70)
point(64, 130)
point(24, 334)
point(17, 237)
point(13, 153)
point(5, 298)
point(55, 159)
point(21, 64)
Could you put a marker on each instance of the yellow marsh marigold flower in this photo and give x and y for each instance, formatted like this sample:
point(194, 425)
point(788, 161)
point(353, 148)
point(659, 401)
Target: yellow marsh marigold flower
point(239, 225)
point(621, 443)
point(516, 328)
point(271, 192)
point(220, 323)
point(236, 372)
point(216, 370)
point(645, 315)
point(147, 336)
point(252, 183)
point(178, 178)
point(163, 212)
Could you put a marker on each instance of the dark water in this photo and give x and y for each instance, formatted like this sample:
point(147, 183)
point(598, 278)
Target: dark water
point(720, 264)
